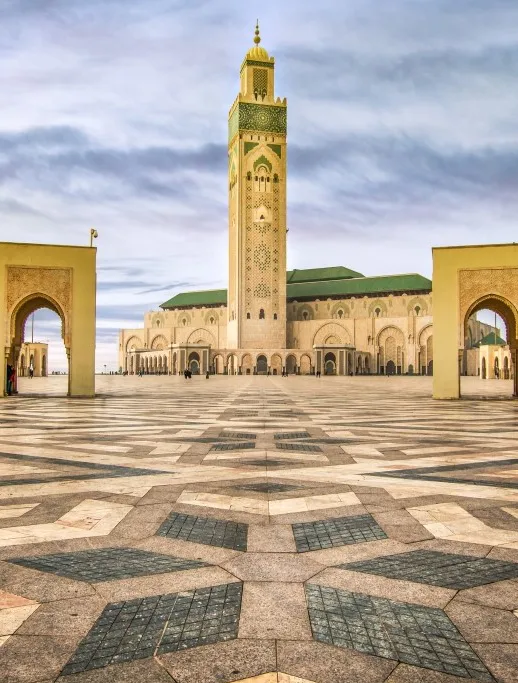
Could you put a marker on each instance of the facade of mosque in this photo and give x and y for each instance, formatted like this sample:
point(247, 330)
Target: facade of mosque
point(331, 320)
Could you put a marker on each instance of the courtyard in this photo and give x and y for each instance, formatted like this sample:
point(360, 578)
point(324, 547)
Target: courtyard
point(259, 529)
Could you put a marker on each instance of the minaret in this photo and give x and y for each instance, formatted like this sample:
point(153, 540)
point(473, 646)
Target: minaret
point(257, 208)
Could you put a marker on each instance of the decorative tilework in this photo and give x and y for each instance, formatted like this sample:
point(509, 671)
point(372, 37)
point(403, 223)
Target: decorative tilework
point(205, 530)
point(438, 569)
point(140, 628)
point(267, 118)
point(267, 488)
point(245, 445)
point(107, 564)
point(412, 634)
point(291, 435)
point(300, 447)
point(330, 533)
point(277, 149)
point(249, 146)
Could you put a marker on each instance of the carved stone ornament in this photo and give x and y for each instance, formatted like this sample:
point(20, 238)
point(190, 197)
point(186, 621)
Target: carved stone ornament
point(474, 285)
point(24, 282)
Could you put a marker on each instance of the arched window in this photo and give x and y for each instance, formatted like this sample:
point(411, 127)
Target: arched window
point(340, 313)
point(157, 323)
point(305, 315)
point(248, 316)
point(275, 316)
point(261, 314)
point(211, 320)
point(417, 309)
point(262, 179)
point(377, 311)
point(184, 321)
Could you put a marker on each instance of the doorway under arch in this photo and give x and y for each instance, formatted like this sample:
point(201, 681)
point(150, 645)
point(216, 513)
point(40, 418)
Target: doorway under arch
point(507, 315)
point(262, 365)
point(391, 368)
point(54, 325)
point(330, 364)
point(194, 363)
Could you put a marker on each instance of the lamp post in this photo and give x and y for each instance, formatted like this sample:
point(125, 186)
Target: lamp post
point(93, 236)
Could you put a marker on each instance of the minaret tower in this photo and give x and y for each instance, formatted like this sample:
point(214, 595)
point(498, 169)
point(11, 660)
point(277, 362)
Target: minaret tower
point(257, 208)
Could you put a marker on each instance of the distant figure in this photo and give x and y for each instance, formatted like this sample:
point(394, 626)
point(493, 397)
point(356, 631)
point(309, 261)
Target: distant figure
point(186, 373)
point(207, 375)
point(8, 377)
point(31, 371)
point(318, 373)
point(189, 374)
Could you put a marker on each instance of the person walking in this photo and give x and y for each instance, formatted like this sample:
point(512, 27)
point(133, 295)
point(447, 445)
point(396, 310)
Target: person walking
point(31, 371)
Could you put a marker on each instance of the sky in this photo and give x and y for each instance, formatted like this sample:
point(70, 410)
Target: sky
point(402, 135)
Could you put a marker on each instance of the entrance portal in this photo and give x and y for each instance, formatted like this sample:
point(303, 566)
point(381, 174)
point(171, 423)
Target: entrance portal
point(62, 279)
point(194, 363)
point(467, 280)
point(330, 364)
point(262, 365)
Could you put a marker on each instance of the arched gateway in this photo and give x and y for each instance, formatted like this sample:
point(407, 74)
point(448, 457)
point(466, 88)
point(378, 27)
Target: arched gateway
point(467, 280)
point(61, 278)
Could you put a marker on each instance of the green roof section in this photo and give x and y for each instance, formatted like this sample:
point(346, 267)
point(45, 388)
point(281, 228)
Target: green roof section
point(322, 289)
point(491, 339)
point(362, 286)
point(207, 297)
point(320, 274)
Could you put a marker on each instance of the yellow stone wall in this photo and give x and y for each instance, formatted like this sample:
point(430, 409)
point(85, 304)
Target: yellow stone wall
point(465, 280)
point(62, 278)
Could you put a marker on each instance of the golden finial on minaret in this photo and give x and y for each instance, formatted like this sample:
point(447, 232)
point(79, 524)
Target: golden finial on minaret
point(257, 38)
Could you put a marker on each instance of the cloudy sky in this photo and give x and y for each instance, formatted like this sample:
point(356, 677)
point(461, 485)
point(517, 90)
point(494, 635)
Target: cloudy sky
point(402, 119)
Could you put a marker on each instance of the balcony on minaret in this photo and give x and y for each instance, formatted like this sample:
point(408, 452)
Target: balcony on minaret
point(257, 74)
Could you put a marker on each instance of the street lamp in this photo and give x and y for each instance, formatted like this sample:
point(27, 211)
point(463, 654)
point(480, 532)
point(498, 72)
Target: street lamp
point(93, 236)
point(105, 368)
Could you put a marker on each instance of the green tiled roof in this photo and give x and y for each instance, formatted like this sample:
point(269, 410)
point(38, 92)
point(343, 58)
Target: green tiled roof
point(384, 284)
point(208, 297)
point(320, 274)
point(491, 339)
point(359, 286)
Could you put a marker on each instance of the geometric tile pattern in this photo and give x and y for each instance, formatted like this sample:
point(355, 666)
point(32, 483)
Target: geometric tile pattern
point(116, 465)
point(267, 487)
point(140, 628)
point(233, 446)
point(89, 518)
point(412, 634)
point(107, 564)
point(14, 611)
point(330, 533)
point(205, 530)
point(438, 569)
point(300, 447)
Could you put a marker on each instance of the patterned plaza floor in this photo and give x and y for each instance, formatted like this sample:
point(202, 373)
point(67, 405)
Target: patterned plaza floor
point(267, 530)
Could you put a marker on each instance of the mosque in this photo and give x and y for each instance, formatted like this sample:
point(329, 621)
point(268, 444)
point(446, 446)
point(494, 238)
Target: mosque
point(332, 320)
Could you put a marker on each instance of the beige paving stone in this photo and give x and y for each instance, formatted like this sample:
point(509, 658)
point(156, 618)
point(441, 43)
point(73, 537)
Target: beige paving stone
point(274, 610)
point(228, 661)
point(271, 538)
point(327, 664)
point(273, 567)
